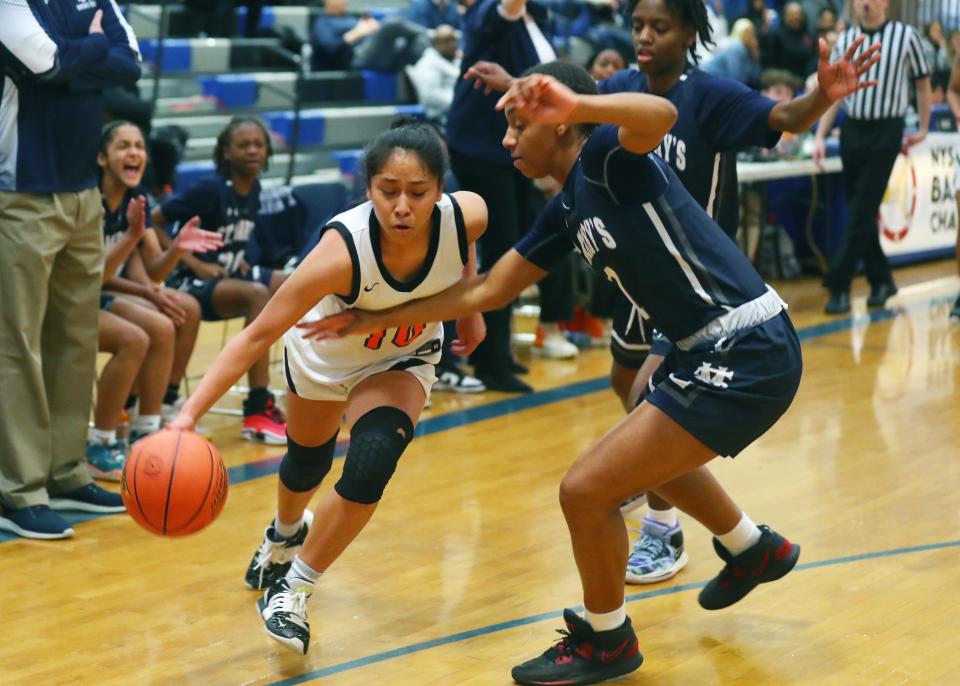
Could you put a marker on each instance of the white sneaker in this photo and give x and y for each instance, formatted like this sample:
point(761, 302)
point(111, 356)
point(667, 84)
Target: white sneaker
point(452, 379)
point(169, 411)
point(555, 347)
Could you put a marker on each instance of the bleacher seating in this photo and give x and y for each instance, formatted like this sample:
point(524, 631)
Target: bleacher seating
point(200, 83)
point(145, 19)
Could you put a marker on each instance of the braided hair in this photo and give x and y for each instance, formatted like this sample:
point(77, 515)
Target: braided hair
point(692, 14)
point(223, 142)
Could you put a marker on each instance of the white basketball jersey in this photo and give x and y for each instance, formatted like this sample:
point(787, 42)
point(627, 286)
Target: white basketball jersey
point(332, 361)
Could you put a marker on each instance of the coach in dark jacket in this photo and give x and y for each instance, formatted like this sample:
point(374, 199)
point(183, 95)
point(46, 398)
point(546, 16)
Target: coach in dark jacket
point(56, 57)
point(511, 33)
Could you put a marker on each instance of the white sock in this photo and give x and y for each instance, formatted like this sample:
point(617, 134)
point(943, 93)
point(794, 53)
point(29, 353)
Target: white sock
point(744, 535)
point(146, 423)
point(102, 436)
point(666, 517)
point(286, 530)
point(302, 576)
point(605, 621)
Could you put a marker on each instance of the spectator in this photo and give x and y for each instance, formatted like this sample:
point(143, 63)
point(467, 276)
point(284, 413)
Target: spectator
point(826, 22)
point(790, 46)
point(513, 34)
point(816, 14)
point(935, 47)
point(739, 57)
point(432, 14)
point(435, 74)
point(341, 41)
point(56, 59)
point(605, 63)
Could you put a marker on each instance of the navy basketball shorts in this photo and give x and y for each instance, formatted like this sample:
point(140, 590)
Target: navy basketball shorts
point(106, 301)
point(631, 338)
point(728, 395)
point(202, 289)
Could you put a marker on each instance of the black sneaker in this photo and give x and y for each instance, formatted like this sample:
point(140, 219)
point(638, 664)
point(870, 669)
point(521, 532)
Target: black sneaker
point(36, 521)
point(503, 382)
point(275, 555)
point(284, 613)
point(767, 560)
point(880, 293)
point(955, 310)
point(838, 303)
point(584, 656)
point(89, 498)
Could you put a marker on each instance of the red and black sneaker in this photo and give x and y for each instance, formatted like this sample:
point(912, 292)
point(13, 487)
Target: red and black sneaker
point(766, 560)
point(584, 656)
point(266, 424)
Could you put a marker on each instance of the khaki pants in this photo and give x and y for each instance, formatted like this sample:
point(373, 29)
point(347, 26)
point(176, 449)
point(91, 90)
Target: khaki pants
point(51, 258)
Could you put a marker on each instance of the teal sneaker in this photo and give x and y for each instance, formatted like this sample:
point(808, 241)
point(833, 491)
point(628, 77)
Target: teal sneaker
point(105, 462)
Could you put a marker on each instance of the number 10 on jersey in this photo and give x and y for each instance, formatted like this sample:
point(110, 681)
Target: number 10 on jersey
point(404, 336)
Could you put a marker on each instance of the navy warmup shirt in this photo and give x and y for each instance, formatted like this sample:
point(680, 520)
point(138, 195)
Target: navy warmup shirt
point(220, 209)
point(115, 222)
point(632, 220)
point(716, 118)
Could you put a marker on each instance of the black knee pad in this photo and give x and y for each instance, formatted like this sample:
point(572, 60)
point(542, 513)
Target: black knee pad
point(377, 441)
point(302, 468)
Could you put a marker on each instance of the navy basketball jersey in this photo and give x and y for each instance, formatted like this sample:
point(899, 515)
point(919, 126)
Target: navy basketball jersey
point(716, 118)
point(281, 229)
point(633, 221)
point(220, 209)
point(115, 222)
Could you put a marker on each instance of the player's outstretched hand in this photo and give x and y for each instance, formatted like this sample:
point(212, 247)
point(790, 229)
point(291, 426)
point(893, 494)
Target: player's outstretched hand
point(470, 333)
point(490, 76)
point(540, 98)
point(191, 238)
point(339, 325)
point(183, 422)
point(843, 77)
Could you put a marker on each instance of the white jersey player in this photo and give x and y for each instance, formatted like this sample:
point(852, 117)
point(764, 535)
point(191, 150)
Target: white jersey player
point(328, 369)
point(409, 241)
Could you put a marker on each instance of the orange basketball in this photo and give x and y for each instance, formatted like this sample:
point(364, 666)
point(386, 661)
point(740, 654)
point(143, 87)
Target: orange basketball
point(174, 483)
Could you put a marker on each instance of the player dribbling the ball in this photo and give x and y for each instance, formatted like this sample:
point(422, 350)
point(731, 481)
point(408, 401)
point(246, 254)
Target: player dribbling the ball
point(408, 241)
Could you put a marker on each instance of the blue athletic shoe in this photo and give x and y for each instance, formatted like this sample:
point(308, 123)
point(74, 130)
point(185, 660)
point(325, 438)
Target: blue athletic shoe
point(89, 498)
point(658, 554)
point(35, 521)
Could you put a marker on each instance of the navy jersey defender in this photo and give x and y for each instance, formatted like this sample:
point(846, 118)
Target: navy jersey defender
point(633, 221)
point(716, 117)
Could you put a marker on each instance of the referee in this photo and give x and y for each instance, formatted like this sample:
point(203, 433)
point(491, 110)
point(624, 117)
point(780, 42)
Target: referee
point(871, 138)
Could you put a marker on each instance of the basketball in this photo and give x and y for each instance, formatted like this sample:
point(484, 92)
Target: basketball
point(174, 483)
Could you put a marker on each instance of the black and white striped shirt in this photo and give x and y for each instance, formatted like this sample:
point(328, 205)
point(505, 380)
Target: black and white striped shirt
point(901, 59)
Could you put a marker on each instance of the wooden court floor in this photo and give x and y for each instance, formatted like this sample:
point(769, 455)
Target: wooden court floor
point(466, 567)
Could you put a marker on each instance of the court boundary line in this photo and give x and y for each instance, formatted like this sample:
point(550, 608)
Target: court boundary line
point(421, 646)
point(268, 466)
